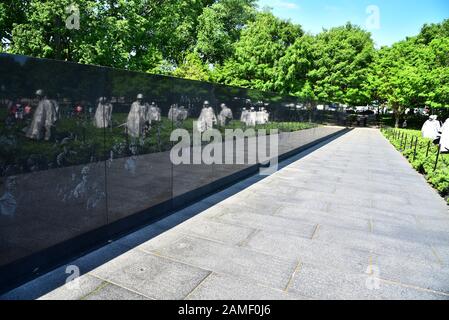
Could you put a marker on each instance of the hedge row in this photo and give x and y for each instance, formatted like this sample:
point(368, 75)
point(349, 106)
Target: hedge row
point(423, 155)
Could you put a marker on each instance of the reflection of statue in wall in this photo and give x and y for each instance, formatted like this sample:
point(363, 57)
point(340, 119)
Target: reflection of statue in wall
point(8, 203)
point(62, 157)
point(177, 114)
point(103, 114)
point(136, 117)
point(244, 116)
point(44, 118)
point(251, 118)
point(15, 111)
point(173, 112)
point(55, 108)
point(153, 113)
point(182, 114)
point(262, 116)
point(207, 118)
point(225, 115)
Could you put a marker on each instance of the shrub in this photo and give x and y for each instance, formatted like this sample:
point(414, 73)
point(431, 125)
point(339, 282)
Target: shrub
point(422, 154)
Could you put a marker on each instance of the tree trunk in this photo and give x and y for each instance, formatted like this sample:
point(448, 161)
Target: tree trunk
point(396, 124)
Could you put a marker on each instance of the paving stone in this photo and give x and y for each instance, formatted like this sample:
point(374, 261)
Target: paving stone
point(75, 289)
point(322, 218)
point(307, 250)
point(270, 223)
point(226, 287)
point(152, 276)
point(112, 292)
point(423, 274)
point(215, 230)
point(272, 271)
point(321, 282)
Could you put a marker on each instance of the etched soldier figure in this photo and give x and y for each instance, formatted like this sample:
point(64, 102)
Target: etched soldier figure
point(225, 115)
point(103, 114)
point(136, 117)
point(8, 203)
point(207, 118)
point(44, 118)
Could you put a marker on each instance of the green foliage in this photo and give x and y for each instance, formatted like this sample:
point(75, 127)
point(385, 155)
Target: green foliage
point(219, 27)
point(333, 66)
point(232, 42)
point(432, 31)
point(262, 43)
point(193, 68)
point(414, 72)
point(131, 34)
point(423, 160)
point(343, 58)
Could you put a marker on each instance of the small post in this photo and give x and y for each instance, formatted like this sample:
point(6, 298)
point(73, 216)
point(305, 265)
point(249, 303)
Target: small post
point(411, 142)
point(416, 145)
point(436, 160)
point(428, 148)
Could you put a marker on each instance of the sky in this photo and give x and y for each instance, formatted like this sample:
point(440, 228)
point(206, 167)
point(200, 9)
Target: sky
point(388, 21)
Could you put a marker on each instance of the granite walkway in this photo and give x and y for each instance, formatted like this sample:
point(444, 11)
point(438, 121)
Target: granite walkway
point(350, 220)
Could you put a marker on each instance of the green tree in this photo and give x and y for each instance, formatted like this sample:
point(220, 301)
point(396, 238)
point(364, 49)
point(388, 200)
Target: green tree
point(11, 11)
point(343, 57)
point(331, 67)
point(193, 68)
point(437, 76)
point(219, 28)
point(401, 76)
point(432, 31)
point(262, 43)
point(132, 34)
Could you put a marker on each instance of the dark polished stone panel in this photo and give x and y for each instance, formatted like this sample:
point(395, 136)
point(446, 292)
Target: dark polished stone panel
point(85, 151)
point(51, 166)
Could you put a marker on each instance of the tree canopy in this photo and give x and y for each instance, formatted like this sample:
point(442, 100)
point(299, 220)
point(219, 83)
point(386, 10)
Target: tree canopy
point(236, 43)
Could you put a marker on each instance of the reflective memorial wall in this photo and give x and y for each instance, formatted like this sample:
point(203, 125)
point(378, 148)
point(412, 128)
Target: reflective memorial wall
point(84, 149)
